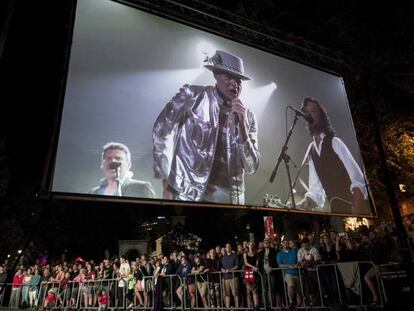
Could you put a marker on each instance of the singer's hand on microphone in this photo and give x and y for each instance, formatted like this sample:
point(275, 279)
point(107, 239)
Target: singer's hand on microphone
point(240, 110)
point(166, 194)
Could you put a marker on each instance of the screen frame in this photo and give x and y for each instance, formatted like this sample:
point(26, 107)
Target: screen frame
point(48, 176)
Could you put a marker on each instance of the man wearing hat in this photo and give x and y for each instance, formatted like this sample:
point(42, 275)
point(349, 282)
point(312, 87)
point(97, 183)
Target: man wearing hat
point(215, 138)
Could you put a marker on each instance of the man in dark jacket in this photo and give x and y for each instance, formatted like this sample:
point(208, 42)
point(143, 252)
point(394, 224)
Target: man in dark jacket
point(118, 181)
point(267, 262)
point(161, 282)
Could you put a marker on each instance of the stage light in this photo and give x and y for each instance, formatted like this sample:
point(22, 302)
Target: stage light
point(257, 98)
point(8, 256)
point(19, 251)
point(205, 49)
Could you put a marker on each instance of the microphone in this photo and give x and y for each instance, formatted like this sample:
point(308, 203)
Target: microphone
point(300, 113)
point(115, 165)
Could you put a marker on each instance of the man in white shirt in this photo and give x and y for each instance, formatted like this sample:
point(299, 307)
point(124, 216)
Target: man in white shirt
point(124, 271)
point(308, 257)
point(333, 172)
point(307, 254)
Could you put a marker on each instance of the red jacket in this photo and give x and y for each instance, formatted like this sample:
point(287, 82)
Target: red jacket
point(18, 281)
point(103, 299)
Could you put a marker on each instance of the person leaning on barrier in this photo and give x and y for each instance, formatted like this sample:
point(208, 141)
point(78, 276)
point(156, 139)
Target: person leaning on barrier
point(184, 272)
point(213, 268)
point(113, 285)
point(113, 155)
point(121, 286)
point(130, 281)
point(250, 275)
point(201, 278)
point(140, 274)
point(230, 263)
point(287, 258)
point(16, 289)
point(148, 286)
point(240, 250)
point(90, 285)
point(78, 287)
point(272, 280)
point(327, 275)
point(308, 257)
point(313, 241)
point(161, 283)
point(376, 252)
point(25, 290)
point(64, 290)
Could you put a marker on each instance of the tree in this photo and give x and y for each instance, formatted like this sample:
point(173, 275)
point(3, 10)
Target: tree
point(179, 239)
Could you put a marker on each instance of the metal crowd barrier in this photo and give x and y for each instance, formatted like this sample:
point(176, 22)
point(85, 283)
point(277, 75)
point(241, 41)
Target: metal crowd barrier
point(324, 284)
point(316, 287)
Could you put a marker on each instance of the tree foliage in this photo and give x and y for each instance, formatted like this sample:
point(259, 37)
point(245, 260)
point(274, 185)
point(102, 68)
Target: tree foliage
point(399, 142)
point(179, 239)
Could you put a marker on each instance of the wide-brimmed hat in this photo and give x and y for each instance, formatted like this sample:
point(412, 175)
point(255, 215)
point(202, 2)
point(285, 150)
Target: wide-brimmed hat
point(224, 61)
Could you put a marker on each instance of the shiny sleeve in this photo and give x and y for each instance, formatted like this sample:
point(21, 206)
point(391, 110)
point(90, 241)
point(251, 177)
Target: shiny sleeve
point(249, 150)
point(172, 114)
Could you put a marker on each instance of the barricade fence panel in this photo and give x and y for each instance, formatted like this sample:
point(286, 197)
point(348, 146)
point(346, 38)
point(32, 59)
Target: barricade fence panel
point(317, 286)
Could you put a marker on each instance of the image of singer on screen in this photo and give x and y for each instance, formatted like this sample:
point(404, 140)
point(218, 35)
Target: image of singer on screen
point(118, 181)
point(214, 138)
point(333, 172)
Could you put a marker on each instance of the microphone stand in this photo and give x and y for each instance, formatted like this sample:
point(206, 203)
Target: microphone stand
point(118, 181)
point(300, 169)
point(286, 159)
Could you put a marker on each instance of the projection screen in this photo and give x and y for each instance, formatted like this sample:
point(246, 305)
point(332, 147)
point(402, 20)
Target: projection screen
point(154, 109)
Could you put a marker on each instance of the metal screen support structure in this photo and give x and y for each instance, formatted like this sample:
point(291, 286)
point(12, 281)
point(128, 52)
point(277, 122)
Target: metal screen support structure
point(235, 27)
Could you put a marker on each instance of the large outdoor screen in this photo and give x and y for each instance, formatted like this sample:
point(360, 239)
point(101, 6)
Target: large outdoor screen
point(158, 110)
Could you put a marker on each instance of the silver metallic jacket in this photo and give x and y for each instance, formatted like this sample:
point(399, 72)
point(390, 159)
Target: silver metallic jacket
point(192, 115)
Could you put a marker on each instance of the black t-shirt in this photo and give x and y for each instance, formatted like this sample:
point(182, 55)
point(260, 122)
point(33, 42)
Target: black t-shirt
point(346, 255)
point(364, 252)
point(174, 265)
point(107, 273)
point(213, 265)
point(328, 256)
point(200, 277)
point(140, 273)
point(379, 252)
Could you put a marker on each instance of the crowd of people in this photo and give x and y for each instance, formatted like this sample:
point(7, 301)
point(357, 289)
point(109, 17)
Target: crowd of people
point(331, 268)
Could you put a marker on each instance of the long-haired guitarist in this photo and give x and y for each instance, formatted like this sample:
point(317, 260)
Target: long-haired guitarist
point(333, 172)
